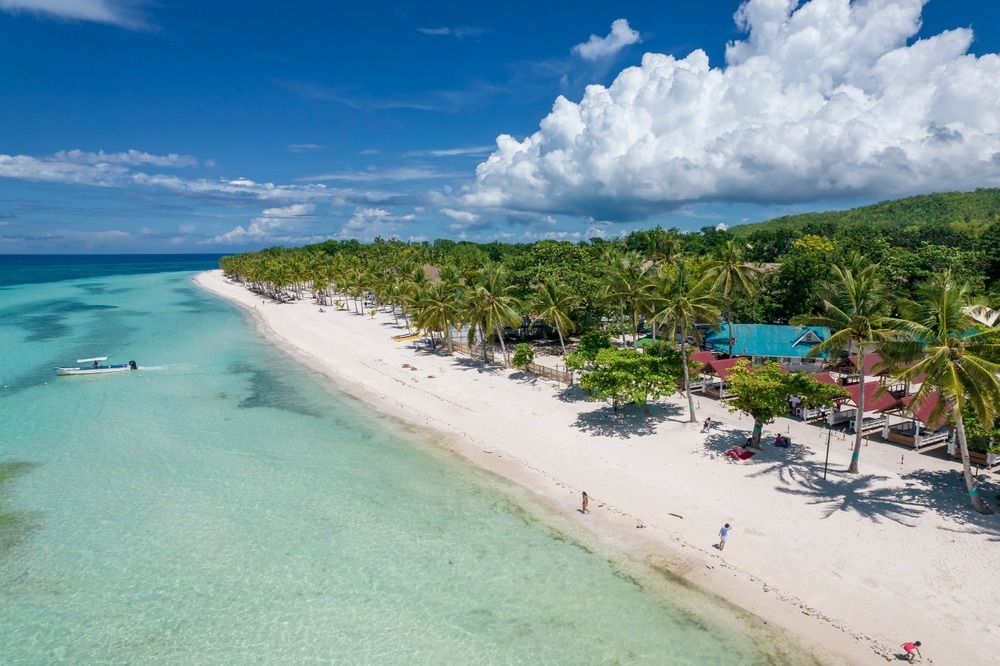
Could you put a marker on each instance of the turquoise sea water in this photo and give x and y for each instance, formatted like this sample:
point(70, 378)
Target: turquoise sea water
point(223, 505)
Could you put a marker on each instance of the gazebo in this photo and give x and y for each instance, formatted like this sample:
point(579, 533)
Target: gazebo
point(877, 399)
point(715, 374)
point(848, 367)
point(918, 429)
point(849, 372)
point(701, 359)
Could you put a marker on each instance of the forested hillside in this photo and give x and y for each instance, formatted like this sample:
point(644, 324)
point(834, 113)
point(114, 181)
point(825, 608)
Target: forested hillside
point(966, 211)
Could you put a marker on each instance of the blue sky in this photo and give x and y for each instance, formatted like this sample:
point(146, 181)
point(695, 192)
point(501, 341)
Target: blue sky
point(175, 126)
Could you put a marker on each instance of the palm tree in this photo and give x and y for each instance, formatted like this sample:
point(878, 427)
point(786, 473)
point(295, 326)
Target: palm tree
point(956, 353)
point(435, 309)
point(732, 277)
point(502, 308)
point(553, 302)
point(662, 245)
point(629, 281)
point(279, 276)
point(298, 271)
point(474, 313)
point(856, 309)
point(687, 298)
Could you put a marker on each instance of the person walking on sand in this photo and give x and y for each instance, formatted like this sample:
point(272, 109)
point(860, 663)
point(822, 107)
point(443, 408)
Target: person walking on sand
point(707, 424)
point(723, 533)
point(910, 648)
point(586, 501)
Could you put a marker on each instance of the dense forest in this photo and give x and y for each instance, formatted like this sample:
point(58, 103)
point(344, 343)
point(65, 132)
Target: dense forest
point(786, 258)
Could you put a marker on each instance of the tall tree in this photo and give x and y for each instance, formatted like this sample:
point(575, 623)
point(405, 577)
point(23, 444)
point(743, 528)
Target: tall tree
point(435, 309)
point(856, 309)
point(590, 345)
point(474, 312)
point(762, 392)
point(553, 303)
point(501, 306)
point(630, 376)
point(629, 281)
point(687, 299)
point(958, 356)
point(733, 277)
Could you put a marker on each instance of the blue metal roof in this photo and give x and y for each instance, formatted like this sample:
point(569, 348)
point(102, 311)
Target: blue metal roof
point(767, 339)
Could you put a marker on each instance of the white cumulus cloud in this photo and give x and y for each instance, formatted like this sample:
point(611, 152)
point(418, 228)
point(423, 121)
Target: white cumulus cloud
point(273, 224)
point(460, 215)
point(828, 99)
point(367, 223)
point(621, 35)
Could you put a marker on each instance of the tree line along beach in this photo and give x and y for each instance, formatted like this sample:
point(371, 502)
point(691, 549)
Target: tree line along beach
point(808, 540)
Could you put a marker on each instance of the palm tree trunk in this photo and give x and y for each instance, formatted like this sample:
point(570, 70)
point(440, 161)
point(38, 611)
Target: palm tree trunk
point(729, 324)
point(859, 419)
point(687, 381)
point(503, 348)
point(621, 316)
point(561, 342)
point(977, 502)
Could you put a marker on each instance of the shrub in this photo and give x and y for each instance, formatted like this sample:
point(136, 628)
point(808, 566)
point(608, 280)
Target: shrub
point(523, 356)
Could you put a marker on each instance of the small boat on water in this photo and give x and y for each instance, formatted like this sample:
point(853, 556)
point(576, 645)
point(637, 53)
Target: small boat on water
point(95, 367)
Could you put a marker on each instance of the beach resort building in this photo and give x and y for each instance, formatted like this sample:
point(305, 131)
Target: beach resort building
point(788, 345)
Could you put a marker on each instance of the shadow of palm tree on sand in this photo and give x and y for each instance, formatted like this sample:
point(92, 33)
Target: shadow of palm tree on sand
point(877, 497)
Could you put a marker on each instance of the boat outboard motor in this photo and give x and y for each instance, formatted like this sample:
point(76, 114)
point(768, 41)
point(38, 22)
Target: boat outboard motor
point(132, 365)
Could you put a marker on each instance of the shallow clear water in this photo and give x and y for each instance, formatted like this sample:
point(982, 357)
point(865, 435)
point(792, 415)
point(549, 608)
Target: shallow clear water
point(223, 505)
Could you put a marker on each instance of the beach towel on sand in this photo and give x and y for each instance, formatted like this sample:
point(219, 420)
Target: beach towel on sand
point(739, 454)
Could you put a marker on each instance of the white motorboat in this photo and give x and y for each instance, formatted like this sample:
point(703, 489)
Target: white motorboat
point(96, 368)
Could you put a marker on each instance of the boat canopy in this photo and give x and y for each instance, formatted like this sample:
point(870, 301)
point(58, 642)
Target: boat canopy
point(88, 360)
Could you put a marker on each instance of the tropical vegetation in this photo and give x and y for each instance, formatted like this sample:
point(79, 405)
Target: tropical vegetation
point(908, 279)
point(761, 392)
point(956, 355)
point(856, 308)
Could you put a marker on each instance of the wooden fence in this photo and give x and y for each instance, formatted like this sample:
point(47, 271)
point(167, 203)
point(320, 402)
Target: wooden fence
point(561, 376)
point(463, 348)
point(551, 373)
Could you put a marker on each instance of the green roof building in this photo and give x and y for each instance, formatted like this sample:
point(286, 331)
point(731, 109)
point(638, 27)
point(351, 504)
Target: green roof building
point(789, 345)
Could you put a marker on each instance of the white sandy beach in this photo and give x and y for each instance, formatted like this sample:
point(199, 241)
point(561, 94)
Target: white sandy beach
point(854, 564)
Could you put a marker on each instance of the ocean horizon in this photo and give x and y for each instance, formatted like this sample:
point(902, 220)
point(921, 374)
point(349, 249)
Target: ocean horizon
point(225, 504)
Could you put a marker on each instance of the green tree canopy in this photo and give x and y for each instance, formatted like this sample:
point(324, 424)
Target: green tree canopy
point(762, 392)
point(630, 376)
point(591, 343)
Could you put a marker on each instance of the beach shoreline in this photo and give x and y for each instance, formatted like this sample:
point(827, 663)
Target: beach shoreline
point(853, 577)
